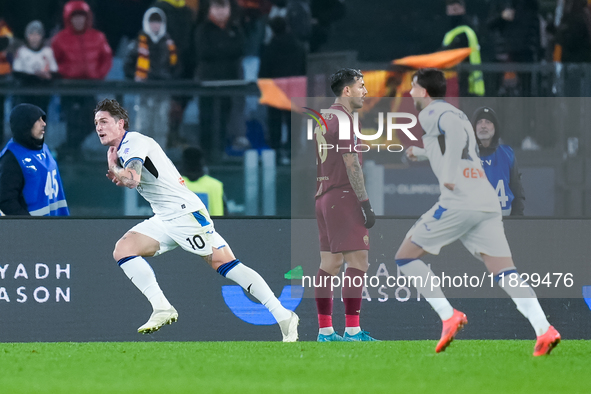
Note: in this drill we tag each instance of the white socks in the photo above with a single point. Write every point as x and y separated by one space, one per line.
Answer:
352 330
435 296
252 282
526 301
142 276
523 295
326 330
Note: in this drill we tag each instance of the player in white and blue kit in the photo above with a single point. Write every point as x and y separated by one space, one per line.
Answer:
468 209
180 219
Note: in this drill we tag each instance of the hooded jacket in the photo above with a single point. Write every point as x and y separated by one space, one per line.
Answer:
30 182
500 166
158 51
81 55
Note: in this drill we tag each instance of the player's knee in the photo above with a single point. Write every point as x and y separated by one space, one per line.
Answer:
332 266
121 251
117 255
399 255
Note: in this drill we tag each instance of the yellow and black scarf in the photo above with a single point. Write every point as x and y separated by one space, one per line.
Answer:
143 59
5 31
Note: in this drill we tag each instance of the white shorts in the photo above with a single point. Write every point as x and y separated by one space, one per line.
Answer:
480 232
194 232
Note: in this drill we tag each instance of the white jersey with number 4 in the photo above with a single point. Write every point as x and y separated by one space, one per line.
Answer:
450 146
160 183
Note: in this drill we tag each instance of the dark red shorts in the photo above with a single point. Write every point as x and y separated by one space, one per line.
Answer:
340 222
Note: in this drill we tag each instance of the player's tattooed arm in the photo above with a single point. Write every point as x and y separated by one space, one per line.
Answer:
128 176
355 175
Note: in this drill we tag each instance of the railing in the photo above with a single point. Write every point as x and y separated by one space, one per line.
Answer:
567 149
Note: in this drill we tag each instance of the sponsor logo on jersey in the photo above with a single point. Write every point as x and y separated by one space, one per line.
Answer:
473 173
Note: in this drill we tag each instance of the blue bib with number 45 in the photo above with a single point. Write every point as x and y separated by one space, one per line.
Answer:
43 191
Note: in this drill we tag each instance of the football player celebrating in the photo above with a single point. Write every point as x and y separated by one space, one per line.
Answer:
180 219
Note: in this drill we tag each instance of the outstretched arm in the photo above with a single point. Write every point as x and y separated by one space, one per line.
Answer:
128 176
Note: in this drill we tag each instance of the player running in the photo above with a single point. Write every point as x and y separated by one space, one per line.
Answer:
343 211
468 210
180 218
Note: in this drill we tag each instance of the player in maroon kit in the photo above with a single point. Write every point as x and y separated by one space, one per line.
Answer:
343 211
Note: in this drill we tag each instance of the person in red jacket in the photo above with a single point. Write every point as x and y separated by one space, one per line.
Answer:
81 52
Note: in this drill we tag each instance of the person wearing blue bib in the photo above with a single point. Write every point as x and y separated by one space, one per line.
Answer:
30 182
498 161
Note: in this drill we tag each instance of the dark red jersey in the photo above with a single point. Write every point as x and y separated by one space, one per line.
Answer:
330 167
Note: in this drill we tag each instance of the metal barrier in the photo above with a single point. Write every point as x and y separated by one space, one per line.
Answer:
566 147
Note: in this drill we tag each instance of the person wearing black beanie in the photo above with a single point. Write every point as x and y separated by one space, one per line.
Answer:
498 161
30 183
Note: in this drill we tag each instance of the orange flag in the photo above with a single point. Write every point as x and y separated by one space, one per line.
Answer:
442 59
278 92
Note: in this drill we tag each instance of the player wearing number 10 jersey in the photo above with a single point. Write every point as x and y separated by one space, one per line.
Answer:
468 209
180 219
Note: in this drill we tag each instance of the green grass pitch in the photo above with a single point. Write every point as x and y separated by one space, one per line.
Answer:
467 366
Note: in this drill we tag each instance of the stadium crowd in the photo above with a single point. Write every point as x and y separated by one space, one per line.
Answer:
208 40
193 40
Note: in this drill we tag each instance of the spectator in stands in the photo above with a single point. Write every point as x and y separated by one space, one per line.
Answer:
254 13
574 32
515 25
30 182
18 13
219 41
498 161
463 37
180 26
209 190
34 65
5 67
82 53
324 14
298 16
153 57
455 10
284 56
